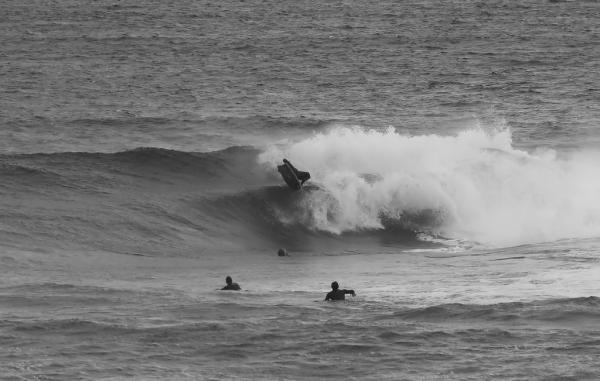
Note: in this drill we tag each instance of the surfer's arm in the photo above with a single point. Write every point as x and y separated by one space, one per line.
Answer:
351 292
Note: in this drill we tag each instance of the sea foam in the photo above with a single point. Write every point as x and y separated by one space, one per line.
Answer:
473 185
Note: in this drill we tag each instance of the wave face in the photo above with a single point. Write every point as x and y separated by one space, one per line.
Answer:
152 200
143 200
473 186
368 188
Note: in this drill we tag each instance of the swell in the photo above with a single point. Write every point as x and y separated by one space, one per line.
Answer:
152 201
128 202
569 313
251 123
76 326
381 186
550 312
235 165
183 131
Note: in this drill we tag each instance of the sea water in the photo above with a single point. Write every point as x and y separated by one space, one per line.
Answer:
453 149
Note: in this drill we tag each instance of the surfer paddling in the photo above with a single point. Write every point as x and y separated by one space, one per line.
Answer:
231 285
337 294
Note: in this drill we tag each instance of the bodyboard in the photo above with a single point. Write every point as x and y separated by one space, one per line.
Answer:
289 176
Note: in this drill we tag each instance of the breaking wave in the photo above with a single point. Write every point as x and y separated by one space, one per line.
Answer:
474 185
367 188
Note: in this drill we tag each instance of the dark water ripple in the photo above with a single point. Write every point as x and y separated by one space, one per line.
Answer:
127 71
452 347
83 86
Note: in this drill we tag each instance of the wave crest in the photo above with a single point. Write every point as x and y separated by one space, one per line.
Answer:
474 185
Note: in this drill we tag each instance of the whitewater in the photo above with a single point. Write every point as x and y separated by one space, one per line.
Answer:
453 150
474 186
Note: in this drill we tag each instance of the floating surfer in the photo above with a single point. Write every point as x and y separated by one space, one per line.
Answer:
293 177
337 294
231 285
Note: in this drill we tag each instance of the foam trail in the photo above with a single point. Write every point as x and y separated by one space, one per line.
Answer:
473 185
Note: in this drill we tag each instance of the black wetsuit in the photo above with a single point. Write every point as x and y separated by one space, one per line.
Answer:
232 286
338 294
301 175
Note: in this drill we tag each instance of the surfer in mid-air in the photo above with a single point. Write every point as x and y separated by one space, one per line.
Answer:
293 177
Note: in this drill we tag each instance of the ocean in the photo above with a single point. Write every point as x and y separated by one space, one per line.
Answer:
453 148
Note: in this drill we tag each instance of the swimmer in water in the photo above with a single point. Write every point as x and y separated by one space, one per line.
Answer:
337 294
231 285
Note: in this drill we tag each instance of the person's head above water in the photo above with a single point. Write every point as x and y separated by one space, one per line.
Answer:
231 285
338 294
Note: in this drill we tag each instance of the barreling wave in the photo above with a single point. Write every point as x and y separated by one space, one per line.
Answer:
145 198
368 188
293 219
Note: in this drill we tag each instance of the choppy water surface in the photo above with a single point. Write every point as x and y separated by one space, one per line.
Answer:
453 149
